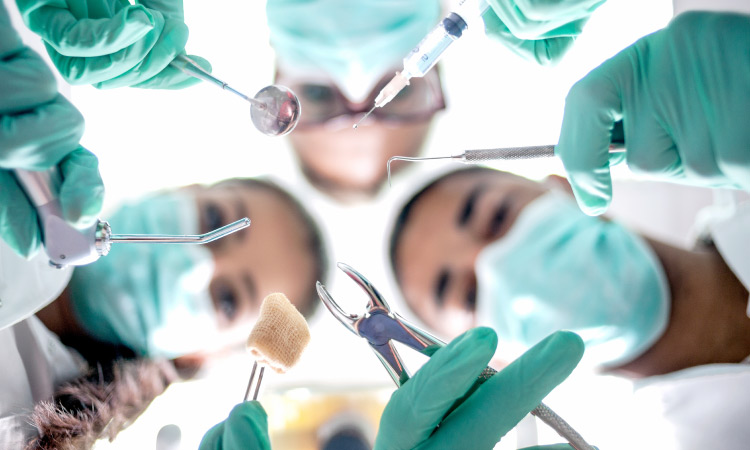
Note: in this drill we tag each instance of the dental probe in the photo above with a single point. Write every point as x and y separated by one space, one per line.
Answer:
497 154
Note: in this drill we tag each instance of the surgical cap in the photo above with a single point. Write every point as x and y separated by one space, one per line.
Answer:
354 42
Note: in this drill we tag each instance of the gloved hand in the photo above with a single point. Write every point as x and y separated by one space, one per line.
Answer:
484 415
246 428
111 43
39 129
682 94
539 30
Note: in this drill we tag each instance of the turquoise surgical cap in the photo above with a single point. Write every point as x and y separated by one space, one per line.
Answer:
354 42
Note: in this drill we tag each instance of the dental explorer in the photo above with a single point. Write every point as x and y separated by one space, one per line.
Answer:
430 49
616 146
67 245
274 110
495 154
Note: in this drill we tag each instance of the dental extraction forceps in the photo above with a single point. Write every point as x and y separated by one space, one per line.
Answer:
380 326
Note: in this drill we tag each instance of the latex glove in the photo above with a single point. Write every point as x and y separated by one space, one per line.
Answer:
246 428
415 410
682 94
39 129
111 43
539 30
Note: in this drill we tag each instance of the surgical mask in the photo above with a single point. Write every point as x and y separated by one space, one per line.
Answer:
353 42
152 298
558 268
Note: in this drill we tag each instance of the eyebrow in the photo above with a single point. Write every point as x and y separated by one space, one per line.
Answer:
242 211
466 211
440 286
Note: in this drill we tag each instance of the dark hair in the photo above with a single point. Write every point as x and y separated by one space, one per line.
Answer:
403 216
99 404
315 241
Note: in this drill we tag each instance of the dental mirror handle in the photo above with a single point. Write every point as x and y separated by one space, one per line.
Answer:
63 243
191 68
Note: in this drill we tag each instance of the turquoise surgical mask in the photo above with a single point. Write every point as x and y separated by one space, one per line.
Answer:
558 268
354 43
152 298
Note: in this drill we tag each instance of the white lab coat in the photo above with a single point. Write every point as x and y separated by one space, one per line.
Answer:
706 406
33 359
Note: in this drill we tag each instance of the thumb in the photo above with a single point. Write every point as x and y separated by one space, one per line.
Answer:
592 107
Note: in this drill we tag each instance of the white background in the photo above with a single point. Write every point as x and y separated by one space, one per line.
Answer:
147 140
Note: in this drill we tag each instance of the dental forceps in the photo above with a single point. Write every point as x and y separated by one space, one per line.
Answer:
380 326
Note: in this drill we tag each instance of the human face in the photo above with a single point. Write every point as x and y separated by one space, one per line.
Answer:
447 228
355 161
345 162
272 255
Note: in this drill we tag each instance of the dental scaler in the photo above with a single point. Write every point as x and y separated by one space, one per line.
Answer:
67 245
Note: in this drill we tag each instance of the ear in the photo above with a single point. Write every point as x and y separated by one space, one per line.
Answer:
559 183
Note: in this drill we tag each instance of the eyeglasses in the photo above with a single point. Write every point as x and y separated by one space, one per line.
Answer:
322 102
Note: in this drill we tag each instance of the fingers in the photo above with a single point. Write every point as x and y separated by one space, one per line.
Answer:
247 428
27 82
40 138
418 406
503 400
170 43
83 37
173 78
545 52
170 8
213 439
592 107
82 190
18 220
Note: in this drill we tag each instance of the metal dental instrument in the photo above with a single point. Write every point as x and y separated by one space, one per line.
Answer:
430 49
495 154
274 110
69 246
380 325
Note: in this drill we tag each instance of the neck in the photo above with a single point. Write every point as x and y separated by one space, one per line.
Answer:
708 322
58 317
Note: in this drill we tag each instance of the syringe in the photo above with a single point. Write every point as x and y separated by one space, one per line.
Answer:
430 49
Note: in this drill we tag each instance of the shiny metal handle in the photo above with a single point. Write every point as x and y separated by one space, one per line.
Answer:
63 243
191 68
40 187
509 153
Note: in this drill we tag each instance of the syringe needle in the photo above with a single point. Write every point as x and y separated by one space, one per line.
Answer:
356 125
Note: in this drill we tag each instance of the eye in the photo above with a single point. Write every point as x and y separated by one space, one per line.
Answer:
214 218
471 298
317 93
225 301
497 220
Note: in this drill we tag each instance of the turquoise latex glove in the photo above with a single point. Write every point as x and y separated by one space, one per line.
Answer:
39 129
246 428
539 30
411 418
111 43
683 94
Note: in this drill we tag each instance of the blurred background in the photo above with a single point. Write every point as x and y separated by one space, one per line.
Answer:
148 140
